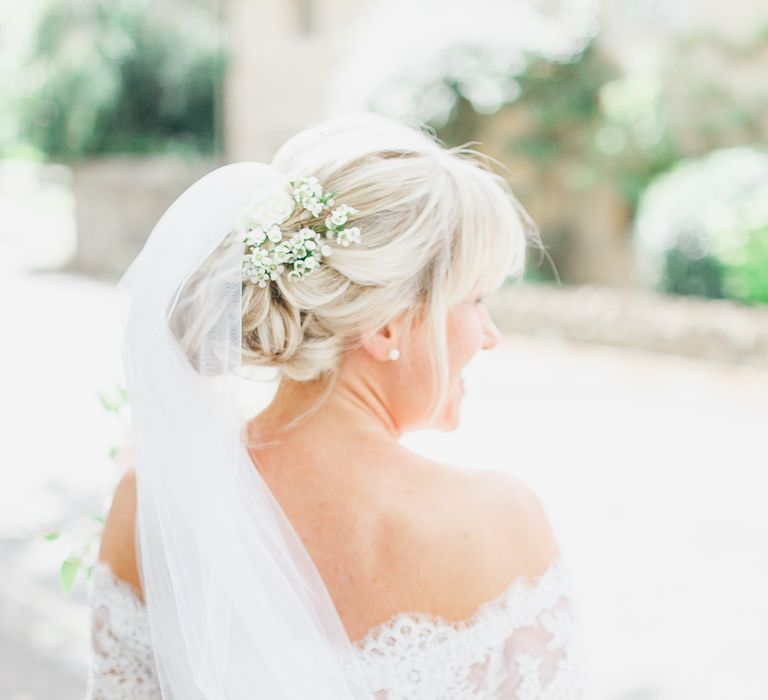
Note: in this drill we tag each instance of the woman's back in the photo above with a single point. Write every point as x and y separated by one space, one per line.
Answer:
419 536
391 531
427 565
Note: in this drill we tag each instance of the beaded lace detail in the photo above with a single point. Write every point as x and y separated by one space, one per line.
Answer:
522 645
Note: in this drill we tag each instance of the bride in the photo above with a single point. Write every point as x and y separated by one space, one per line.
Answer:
303 552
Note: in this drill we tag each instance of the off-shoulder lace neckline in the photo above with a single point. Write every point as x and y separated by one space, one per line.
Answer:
519 586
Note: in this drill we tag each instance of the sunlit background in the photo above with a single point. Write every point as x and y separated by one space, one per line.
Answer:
631 388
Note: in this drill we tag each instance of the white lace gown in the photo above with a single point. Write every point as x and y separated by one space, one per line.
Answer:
522 645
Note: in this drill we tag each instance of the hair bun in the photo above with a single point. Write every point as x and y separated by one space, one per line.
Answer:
279 333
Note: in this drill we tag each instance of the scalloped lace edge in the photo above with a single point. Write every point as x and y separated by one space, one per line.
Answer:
522 588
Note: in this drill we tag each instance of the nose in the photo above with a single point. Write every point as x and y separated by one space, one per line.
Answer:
492 333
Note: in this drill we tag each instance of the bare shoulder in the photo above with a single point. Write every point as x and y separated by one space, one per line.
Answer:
515 518
493 529
118 542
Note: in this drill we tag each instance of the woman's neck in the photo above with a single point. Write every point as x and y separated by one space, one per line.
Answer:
345 407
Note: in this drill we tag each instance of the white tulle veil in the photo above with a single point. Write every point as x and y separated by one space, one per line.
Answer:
236 607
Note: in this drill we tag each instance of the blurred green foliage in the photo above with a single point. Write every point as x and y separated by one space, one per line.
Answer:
610 127
745 272
634 139
697 276
600 128
702 227
113 76
561 99
575 125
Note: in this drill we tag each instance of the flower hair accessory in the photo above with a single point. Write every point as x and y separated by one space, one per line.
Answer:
273 251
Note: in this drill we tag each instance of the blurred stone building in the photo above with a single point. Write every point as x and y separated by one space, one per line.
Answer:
283 54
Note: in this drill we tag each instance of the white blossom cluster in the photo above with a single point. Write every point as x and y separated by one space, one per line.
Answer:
336 226
272 251
308 192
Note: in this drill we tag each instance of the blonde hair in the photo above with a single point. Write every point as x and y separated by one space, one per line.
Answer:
435 223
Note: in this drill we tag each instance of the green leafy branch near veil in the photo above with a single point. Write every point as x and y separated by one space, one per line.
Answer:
85 533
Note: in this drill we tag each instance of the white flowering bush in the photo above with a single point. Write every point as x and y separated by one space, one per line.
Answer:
702 228
273 251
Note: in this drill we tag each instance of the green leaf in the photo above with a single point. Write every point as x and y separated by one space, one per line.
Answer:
109 401
51 536
68 573
113 399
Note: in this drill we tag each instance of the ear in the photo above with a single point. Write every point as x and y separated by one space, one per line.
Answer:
379 343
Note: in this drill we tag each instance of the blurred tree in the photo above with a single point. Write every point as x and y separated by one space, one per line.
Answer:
122 76
583 142
533 88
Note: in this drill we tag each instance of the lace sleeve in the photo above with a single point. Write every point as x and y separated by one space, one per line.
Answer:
540 658
520 646
122 664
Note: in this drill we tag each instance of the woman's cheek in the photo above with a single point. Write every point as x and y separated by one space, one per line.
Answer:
466 335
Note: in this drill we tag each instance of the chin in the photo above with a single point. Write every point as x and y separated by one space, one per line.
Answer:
450 422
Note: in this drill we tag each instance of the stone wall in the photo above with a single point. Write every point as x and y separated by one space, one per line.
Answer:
118 200
703 328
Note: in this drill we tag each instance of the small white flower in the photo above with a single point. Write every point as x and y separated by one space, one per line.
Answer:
259 255
274 234
308 192
354 234
280 254
274 271
325 249
255 237
306 187
348 235
340 216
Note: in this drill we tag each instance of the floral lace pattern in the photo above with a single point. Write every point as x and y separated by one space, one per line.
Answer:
521 645
122 662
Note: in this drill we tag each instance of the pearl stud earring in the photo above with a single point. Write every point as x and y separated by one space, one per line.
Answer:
393 354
